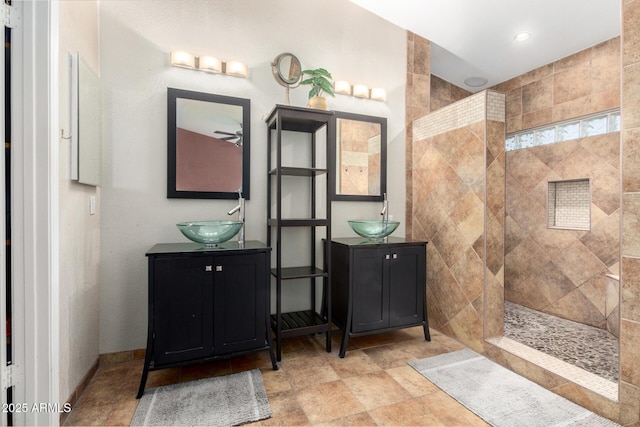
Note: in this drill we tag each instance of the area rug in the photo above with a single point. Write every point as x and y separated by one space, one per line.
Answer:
499 396
219 401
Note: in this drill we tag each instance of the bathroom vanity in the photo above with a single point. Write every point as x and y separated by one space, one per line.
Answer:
378 286
206 303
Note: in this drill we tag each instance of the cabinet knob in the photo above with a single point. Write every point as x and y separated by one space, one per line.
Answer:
386 256
208 268
218 268
395 256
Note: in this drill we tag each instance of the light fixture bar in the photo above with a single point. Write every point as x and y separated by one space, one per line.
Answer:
209 64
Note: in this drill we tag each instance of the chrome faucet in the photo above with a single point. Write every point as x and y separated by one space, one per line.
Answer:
240 210
385 209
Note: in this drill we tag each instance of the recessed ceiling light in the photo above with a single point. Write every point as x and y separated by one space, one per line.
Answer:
520 37
475 81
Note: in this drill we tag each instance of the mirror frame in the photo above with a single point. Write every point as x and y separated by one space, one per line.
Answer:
333 158
172 96
277 72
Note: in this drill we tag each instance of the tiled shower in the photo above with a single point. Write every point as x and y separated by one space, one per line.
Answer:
559 265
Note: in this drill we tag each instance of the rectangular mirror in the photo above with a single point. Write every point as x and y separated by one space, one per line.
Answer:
208 141
86 146
359 158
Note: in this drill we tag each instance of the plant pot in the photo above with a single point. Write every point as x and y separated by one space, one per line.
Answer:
318 102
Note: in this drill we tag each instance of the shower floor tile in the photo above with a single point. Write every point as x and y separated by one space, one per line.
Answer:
592 349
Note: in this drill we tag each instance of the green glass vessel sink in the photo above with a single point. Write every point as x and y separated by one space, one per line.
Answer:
375 229
210 232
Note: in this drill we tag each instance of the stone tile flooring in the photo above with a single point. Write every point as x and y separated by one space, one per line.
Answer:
592 349
372 385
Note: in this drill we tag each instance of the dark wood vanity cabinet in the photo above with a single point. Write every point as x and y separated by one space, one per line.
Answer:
206 303
378 287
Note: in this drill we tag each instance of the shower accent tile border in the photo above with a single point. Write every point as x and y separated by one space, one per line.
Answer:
590 381
486 105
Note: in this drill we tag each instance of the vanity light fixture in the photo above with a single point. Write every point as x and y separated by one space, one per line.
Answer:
361 91
378 94
180 58
207 64
236 68
343 87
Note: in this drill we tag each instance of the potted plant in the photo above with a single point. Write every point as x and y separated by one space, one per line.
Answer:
321 82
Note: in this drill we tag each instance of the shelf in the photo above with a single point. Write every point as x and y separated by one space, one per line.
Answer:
300 323
290 273
291 171
298 119
298 222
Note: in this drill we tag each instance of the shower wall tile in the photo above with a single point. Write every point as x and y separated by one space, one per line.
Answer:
444 93
631 225
537 95
468 272
577 305
629 395
468 217
630 297
494 325
630 285
631 96
572 82
631 48
575 261
603 240
536 118
631 159
417 104
455 149
629 343
580 84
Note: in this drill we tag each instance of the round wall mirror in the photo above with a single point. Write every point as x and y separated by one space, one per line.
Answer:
287 71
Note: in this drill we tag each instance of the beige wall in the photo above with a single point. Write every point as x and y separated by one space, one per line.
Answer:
79 231
562 272
135 40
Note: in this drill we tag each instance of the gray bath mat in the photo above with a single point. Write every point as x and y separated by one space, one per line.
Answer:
219 401
501 397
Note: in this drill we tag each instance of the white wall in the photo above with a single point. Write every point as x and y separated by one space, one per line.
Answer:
135 40
79 251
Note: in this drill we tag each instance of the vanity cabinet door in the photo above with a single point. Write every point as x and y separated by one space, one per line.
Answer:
369 272
406 285
240 302
182 309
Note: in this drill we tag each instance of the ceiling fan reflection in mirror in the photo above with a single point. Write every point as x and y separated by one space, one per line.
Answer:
233 137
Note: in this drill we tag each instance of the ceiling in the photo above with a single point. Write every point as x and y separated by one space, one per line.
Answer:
476 38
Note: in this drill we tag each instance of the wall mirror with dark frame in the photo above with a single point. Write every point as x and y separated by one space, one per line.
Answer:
208 145
359 158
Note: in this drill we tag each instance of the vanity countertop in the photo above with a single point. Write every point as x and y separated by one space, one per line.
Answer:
361 241
232 245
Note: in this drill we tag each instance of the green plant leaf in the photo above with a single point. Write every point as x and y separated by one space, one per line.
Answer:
320 81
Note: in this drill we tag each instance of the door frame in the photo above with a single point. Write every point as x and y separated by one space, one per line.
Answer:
35 219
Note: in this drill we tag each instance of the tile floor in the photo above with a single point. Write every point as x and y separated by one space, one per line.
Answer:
592 349
372 385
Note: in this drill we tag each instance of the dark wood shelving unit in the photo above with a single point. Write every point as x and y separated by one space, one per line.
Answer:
310 121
